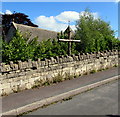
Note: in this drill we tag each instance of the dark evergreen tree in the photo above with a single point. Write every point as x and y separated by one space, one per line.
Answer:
19 18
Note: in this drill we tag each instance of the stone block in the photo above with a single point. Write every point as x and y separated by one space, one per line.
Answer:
12 75
60 60
28 86
14 84
34 64
21 73
11 65
83 56
70 59
5 85
19 64
31 80
3 93
57 59
29 63
76 58
39 62
46 62
25 65
4 76
22 86
14 88
15 67
73 56
8 90
42 69
52 60
87 55
3 67
7 68
42 63
116 52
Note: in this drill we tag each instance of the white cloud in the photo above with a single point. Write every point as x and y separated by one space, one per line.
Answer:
8 12
68 16
96 16
1 13
60 22
117 0
50 23
44 21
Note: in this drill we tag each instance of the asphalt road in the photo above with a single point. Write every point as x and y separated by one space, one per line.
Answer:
99 101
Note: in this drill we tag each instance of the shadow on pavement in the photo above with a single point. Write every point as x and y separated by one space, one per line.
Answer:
113 115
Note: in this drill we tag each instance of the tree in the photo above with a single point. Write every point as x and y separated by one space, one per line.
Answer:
19 18
49 48
94 33
18 49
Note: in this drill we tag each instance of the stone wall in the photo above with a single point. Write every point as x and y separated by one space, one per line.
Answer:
24 75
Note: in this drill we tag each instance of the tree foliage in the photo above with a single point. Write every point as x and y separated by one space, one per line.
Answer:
19 49
94 33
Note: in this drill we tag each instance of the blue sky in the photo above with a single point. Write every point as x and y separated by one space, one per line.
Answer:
55 15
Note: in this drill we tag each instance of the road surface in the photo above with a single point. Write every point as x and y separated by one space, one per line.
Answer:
99 101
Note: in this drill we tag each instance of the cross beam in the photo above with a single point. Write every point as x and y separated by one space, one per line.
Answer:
69 40
69 43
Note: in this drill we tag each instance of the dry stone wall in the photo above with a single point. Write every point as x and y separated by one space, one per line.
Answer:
23 75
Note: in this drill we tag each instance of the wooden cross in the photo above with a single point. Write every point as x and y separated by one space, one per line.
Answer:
69 40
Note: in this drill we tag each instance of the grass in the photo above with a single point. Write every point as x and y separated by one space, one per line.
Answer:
85 73
4 94
93 71
37 84
115 65
67 99
62 77
17 90
68 76
56 79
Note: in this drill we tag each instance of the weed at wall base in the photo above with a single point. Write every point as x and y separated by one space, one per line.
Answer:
93 71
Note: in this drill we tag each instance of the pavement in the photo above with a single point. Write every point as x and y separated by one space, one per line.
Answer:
27 100
98 101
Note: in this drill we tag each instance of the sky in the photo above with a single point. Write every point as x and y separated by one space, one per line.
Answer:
60 0
55 15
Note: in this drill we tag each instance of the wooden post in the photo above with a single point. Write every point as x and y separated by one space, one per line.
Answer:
69 43
69 40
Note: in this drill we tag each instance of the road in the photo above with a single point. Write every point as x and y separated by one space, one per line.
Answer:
99 101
